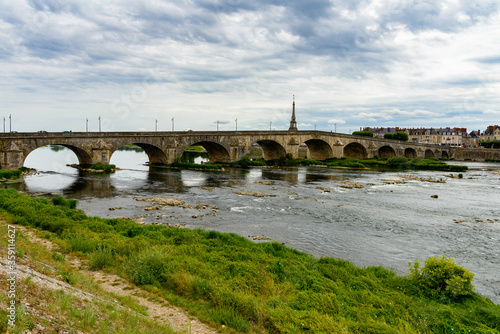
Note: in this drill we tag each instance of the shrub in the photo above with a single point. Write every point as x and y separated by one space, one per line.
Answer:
454 168
101 258
10 174
59 200
396 162
363 133
441 278
389 135
490 144
399 135
147 267
81 243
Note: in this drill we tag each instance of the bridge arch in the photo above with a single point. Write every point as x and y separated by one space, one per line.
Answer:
386 152
429 154
271 150
154 153
318 149
445 155
410 153
355 151
216 152
84 158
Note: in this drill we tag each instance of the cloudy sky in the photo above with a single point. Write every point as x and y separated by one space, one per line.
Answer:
350 64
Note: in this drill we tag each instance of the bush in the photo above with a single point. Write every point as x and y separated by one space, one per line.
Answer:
441 278
101 258
397 162
454 168
147 267
399 135
363 133
59 200
10 174
490 144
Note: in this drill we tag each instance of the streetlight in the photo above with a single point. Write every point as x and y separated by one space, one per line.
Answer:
217 125
99 123
172 124
10 122
4 124
236 120
156 125
270 124
87 125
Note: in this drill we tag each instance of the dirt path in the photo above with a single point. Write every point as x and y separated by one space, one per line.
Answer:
158 308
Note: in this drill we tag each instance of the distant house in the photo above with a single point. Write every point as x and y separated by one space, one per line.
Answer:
492 133
472 139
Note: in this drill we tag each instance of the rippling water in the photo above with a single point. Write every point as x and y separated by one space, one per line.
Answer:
383 223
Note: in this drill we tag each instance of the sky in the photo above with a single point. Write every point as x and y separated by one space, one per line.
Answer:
204 65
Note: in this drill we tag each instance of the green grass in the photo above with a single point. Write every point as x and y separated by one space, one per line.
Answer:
196 166
12 174
228 280
377 163
104 168
63 311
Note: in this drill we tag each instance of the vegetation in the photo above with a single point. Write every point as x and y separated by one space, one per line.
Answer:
363 133
196 148
398 135
179 164
12 174
227 280
99 168
490 144
59 200
442 279
63 311
391 163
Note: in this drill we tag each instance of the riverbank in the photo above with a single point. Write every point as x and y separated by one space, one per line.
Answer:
55 293
241 286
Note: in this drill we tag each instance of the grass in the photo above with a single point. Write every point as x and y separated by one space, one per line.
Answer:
12 174
101 168
227 280
377 163
63 311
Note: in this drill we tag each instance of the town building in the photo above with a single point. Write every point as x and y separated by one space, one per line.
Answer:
492 133
439 136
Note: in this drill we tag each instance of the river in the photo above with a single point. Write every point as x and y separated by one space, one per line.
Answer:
390 221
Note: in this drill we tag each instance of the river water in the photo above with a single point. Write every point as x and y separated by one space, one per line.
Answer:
309 208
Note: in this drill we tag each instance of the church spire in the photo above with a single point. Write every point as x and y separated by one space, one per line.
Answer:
293 122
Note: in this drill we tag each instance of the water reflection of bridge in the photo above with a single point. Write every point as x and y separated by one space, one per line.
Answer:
225 146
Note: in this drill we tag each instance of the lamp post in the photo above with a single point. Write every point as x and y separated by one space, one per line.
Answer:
4 124
87 125
99 123
10 122
217 125
236 120
156 125
270 124
172 124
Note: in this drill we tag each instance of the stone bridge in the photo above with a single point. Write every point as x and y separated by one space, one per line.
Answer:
224 146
